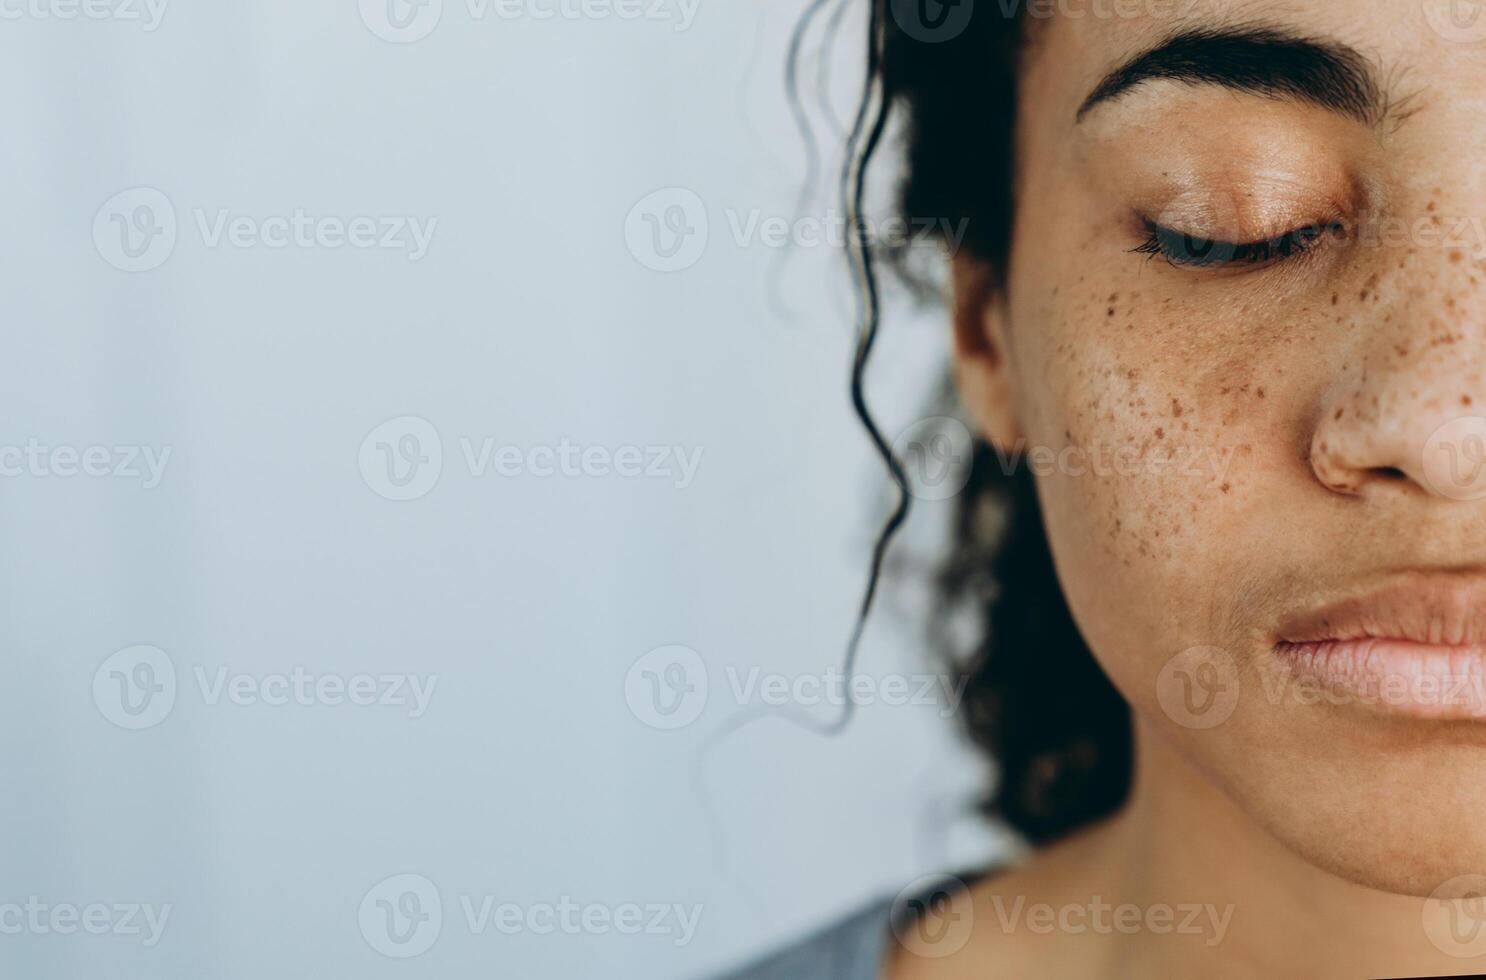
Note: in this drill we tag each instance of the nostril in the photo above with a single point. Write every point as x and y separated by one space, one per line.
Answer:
1391 473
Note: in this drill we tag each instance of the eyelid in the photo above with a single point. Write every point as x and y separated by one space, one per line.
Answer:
1256 221
1247 204
1186 250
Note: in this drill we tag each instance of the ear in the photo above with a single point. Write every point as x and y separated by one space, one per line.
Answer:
981 366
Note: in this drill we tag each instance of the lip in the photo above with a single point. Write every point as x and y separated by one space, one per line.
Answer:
1416 647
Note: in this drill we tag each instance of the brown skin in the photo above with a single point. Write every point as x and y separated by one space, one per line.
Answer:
1320 378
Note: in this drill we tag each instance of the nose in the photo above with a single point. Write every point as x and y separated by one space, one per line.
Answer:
1407 412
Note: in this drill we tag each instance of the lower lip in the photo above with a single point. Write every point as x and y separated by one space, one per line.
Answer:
1396 676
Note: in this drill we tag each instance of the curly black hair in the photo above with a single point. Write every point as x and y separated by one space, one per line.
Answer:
1035 699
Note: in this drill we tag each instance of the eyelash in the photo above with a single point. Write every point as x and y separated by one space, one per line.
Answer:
1181 249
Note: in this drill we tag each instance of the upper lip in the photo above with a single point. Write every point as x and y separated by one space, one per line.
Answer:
1435 609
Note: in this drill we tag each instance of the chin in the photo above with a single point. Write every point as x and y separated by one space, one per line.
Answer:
1390 804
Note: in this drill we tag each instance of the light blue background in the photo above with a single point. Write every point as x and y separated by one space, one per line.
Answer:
529 321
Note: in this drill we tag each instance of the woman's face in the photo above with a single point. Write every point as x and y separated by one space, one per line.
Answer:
1263 468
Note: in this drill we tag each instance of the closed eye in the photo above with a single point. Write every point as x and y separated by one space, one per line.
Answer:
1183 249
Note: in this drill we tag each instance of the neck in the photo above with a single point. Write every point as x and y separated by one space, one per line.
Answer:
1181 842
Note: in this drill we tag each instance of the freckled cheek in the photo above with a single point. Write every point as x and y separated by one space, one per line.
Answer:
1139 480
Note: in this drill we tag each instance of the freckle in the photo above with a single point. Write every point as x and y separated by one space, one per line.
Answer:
1431 206
1225 487
1110 311
1335 299
1339 412
1260 392
1176 408
1362 295
1465 399
1455 255
1160 433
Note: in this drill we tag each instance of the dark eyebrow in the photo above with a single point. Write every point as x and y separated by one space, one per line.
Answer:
1262 61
